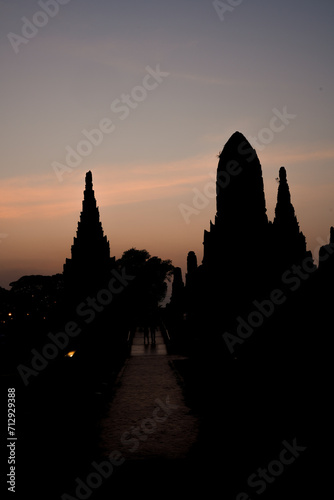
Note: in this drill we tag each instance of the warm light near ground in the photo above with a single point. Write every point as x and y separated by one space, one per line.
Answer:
70 354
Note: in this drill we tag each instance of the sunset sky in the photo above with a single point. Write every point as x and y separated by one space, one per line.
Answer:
215 73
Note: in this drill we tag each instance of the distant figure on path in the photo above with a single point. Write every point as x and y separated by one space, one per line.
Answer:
152 328
146 335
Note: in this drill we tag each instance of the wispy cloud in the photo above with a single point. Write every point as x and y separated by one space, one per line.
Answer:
297 154
41 197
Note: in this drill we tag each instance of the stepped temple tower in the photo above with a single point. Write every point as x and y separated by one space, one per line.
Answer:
90 262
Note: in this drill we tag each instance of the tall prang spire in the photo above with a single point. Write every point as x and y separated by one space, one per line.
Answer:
240 188
90 262
241 216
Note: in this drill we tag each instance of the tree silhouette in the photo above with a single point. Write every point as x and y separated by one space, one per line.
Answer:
149 287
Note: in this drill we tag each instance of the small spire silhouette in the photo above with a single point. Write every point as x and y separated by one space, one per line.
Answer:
285 212
290 241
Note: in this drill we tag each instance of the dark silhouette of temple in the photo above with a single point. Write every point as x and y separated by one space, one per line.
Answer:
244 253
272 386
257 323
91 263
242 239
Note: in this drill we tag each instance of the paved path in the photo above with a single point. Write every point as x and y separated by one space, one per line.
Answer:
148 418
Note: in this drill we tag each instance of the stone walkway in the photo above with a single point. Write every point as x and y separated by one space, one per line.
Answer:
148 418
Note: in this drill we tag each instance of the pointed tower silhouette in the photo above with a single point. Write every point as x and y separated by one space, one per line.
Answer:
289 241
90 264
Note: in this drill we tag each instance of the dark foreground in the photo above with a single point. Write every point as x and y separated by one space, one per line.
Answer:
171 431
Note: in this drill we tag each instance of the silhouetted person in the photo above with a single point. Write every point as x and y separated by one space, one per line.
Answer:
152 329
146 335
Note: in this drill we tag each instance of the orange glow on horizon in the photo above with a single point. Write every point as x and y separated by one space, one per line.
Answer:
139 207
